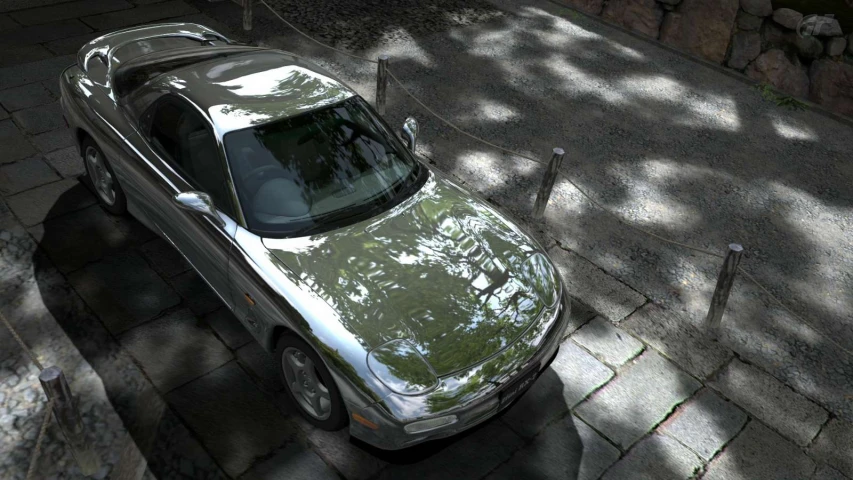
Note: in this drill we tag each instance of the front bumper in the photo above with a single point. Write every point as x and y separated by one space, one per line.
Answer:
472 396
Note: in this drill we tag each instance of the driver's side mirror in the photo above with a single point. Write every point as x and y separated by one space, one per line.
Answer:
198 202
410 133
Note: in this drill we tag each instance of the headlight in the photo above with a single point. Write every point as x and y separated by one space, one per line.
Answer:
429 424
543 278
401 368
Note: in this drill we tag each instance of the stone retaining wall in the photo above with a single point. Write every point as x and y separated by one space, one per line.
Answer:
748 36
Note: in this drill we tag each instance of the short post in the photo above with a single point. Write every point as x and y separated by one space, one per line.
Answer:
68 417
247 15
381 83
723 288
548 183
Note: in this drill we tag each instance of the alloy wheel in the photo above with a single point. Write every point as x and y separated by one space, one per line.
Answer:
305 384
101 177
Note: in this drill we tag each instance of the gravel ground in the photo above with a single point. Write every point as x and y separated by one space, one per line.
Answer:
365 23
22 400
679 149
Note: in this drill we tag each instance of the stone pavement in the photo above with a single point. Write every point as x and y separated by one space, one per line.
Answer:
166 373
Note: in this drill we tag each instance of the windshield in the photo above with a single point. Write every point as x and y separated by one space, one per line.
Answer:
320 170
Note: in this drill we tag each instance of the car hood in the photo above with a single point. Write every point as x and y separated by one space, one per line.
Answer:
443 270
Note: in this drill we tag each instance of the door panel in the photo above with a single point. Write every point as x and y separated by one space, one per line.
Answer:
179 142
265 308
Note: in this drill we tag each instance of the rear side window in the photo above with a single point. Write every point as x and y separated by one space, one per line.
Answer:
96 69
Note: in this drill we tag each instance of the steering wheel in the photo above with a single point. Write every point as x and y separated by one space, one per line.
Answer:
253 180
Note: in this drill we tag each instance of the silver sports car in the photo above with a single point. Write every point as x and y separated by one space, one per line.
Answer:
394 301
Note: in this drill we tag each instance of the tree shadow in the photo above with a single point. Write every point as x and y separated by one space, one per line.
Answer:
721 166
673 146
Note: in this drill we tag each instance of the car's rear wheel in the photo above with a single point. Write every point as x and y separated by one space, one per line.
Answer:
103 179
310 385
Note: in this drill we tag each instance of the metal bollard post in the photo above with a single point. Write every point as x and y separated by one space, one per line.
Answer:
247 15
723 288
68 417
548 183
381 83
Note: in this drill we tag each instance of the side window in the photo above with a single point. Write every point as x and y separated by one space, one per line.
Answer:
181 135
97 70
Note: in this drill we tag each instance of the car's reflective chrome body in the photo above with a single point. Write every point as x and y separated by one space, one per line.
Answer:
428 309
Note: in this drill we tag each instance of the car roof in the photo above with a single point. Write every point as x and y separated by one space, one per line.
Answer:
253 87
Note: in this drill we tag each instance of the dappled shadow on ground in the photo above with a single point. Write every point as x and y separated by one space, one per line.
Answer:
678 148
684 153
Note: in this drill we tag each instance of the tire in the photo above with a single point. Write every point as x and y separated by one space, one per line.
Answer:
289 348
102 178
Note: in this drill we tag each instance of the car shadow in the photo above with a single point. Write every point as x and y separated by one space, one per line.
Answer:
154 429
537 437
556 451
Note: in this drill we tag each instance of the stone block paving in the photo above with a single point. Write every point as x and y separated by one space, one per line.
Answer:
15 145
175 349
167 261
825 472
759 453
82 237
771 402
656 457
168 373
123 291
573 375
24 175
261 365
705 423
610 298
613 346
675 337
640 397
335 448
568 448
25 96
66 162
297 462
237 423
834 445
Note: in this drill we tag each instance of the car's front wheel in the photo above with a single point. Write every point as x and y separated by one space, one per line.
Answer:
309 384
103 179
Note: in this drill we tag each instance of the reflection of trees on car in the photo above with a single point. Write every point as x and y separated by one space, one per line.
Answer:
463 292
294 90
